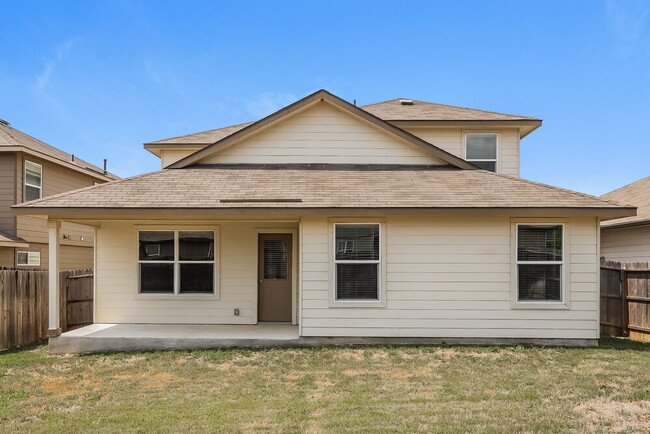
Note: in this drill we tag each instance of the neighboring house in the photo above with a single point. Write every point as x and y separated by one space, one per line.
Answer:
29 170
348 222
628 239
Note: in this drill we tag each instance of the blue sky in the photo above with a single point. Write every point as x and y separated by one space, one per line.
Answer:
99 78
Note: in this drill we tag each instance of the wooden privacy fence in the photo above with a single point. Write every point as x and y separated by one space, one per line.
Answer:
24 304
625 299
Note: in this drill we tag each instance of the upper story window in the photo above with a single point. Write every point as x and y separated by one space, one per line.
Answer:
357 262
540 262
177 262
481 150
33 181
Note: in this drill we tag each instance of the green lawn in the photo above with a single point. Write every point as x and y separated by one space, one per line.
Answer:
401 389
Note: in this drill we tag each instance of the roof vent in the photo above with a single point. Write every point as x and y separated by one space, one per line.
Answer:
3 122
406 101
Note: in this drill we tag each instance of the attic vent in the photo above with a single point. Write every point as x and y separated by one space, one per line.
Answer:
406 101
3 122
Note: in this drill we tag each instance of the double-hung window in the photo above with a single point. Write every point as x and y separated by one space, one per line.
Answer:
177 262
540 262
481 150
357 261
33 181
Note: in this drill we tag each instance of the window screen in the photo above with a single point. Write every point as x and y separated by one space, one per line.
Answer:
540 256
481 150
357 261
33 181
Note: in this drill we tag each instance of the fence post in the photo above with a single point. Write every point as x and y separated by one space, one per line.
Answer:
625 312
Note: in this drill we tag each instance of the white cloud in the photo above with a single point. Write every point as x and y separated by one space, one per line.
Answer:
43 79
268 102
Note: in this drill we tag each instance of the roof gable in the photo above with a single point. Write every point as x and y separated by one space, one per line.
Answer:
304 104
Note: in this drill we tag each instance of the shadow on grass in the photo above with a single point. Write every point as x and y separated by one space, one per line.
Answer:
27 347
623 344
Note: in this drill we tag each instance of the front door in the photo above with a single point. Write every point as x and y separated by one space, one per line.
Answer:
274 278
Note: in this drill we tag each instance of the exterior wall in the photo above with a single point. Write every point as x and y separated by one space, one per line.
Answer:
7 192
170 156
450 277
7 257
70 257
452 140
56 179
323 134
626 244
117 298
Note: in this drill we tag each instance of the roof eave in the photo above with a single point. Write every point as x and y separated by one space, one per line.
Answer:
67 164
614 225
105 213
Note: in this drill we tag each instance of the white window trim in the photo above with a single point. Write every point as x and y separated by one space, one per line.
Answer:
498 145
564 302
381 277
26 184
36 254
176 294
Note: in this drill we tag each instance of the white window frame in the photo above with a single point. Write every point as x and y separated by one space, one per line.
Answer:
495 160
30 255
26 184
380 301
177 263
564 302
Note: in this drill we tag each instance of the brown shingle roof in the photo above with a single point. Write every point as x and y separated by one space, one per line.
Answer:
390 110
204 137
324 186
637 194
7 240
10 137
393 110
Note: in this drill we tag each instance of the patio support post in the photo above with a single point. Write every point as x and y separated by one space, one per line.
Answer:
54 322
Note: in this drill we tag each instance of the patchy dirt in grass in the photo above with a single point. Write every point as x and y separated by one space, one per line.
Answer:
63 386
617 416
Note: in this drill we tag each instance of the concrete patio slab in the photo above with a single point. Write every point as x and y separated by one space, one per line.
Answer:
97 338
100 338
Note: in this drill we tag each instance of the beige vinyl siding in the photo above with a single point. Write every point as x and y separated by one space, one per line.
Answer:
323 134
170 156
56 179
7 192
70 257
626 244
117 280
450 277
452 140
7 257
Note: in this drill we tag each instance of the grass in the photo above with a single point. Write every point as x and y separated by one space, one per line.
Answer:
369 389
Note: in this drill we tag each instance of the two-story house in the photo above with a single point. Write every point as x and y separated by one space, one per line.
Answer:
29 170
402 221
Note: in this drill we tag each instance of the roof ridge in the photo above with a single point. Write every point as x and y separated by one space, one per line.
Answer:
66 193
454 106
552 187
201 132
